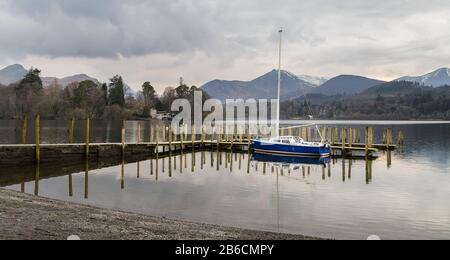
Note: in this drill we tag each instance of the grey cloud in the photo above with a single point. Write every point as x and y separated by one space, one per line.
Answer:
230 38
103 28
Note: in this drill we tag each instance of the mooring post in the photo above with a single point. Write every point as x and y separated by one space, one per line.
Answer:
123 139
366 142
87 135
350 137
170 140
182 141
343 135
24 129
152 130
203 137
38 138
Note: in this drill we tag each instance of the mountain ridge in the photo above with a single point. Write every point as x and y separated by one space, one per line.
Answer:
14 73
262 87
437 78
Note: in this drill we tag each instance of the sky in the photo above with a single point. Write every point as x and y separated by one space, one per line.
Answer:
201 40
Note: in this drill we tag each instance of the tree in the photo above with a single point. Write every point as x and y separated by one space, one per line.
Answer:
28 92
117 91
149 95
105 93
82 92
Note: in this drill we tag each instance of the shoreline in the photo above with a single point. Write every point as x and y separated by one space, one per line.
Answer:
26 217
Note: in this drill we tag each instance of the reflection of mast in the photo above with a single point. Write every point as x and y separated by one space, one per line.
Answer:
278 203
86 180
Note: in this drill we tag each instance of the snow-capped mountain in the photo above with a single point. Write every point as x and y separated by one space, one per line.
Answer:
438 78
313 79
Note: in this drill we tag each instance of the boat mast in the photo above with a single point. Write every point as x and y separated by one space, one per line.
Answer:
277 128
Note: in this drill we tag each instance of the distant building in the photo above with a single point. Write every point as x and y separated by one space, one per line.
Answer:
162 115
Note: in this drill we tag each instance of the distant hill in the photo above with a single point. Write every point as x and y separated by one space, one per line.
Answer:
346 84
264 87
12 74
437 78
396 88
47 81
15 73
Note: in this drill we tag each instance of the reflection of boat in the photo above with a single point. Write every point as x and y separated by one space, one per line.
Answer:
290 159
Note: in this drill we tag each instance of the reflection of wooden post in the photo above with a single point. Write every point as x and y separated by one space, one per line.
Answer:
170 150
38 138
122 175
24 129
86 180
36 179
70 186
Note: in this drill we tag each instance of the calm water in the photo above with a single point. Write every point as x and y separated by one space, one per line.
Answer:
408 199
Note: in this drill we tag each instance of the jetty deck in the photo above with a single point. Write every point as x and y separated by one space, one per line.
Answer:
346 142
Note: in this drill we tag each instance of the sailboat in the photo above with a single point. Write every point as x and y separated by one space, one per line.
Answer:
289 145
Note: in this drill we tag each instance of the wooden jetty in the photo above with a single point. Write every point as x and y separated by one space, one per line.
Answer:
346 142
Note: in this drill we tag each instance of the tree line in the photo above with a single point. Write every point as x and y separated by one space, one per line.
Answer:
108 101
388 101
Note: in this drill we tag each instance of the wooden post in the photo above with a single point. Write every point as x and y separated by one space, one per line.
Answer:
350 137
182 141
123 140
87 135
232 141
170 139
152 131
24 129
367 141
343 135
38 138
203 137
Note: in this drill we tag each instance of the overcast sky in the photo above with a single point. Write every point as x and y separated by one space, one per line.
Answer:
201 40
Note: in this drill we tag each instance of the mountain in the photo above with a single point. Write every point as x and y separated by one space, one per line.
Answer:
313 79
47 81
12 74
346 84
264 87
437 78
16 72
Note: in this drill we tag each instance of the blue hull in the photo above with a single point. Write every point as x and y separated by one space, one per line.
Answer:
261 147
291 160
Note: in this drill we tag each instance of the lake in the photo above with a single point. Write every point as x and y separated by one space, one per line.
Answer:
403 198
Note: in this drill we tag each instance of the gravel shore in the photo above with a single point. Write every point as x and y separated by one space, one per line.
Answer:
33 218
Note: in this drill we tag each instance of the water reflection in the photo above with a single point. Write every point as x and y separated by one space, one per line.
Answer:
307 195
